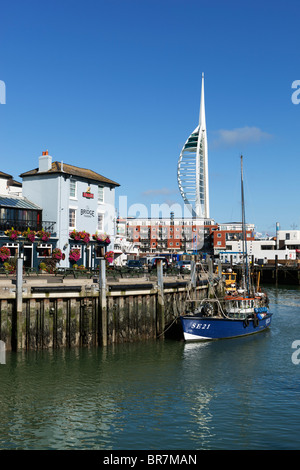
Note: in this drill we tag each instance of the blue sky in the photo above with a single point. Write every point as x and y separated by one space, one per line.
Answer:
114 86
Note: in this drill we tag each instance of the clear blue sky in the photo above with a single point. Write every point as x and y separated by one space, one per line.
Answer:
114 86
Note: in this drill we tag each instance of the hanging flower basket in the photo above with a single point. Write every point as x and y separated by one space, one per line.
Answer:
4 253
74 254
12 233
29 235
109 256
80 236
9 268
57 254
43 235
101 237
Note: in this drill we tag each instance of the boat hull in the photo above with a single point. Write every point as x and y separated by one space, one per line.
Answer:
205 328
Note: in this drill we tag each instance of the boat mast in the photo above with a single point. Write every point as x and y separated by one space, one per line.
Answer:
245 277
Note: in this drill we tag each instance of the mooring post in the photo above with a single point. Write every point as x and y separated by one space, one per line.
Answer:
102 303
221 284
19 305
210 276
160 299
193 274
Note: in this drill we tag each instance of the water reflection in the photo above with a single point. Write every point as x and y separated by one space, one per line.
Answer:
158 395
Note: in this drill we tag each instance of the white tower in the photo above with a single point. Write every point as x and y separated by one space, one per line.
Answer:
192 171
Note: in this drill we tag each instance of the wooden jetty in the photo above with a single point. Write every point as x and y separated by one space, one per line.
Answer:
271 273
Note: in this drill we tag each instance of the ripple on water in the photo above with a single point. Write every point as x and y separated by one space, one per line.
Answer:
233 394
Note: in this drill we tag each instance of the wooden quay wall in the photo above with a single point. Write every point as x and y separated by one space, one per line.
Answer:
46 312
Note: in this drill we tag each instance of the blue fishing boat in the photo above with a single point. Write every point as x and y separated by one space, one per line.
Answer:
240 312
226 318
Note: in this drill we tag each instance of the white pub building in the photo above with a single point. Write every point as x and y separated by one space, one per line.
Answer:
75 199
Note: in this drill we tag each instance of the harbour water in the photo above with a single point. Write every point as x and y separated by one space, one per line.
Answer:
230 394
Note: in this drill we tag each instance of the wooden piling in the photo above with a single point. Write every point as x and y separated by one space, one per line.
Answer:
73 316
102 304
160 300
18 341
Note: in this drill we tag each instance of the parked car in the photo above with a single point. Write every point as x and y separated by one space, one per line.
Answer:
154 262
184 264
134 264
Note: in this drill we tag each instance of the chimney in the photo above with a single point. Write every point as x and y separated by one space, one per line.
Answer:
45 162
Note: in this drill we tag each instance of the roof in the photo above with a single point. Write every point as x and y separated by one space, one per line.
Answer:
10 180
59 167
18 203
5 175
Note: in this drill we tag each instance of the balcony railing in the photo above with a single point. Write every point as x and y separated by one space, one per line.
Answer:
21 225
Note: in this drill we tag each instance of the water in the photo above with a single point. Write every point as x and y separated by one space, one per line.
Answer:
231 394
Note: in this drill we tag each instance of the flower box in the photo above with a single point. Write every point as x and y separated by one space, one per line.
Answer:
29 235
12 233
43 235
80 236
101 237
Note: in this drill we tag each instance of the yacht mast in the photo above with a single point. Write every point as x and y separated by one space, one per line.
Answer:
245 277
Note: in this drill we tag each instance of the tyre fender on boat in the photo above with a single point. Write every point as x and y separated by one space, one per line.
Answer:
246 322
255 321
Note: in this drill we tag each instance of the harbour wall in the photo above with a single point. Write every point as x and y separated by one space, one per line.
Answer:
73 313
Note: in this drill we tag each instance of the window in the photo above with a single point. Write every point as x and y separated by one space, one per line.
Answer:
44 250
73 188
219 243
100 193
72 218
100 222
287 236
13 248
99 251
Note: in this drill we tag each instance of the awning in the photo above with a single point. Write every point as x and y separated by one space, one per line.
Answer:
18 203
